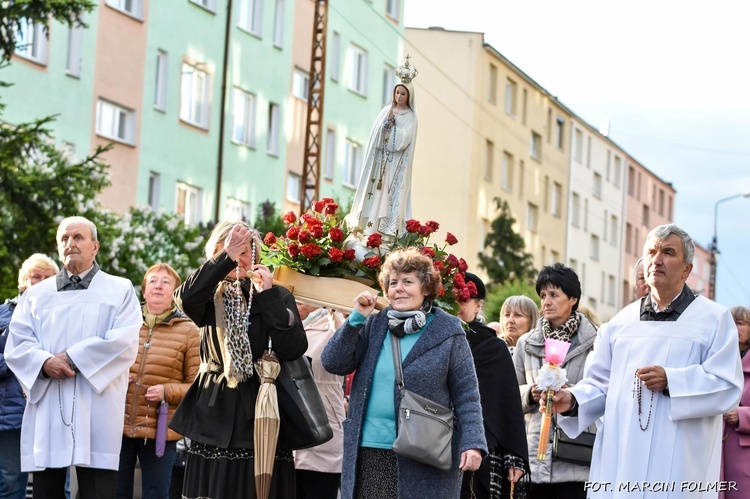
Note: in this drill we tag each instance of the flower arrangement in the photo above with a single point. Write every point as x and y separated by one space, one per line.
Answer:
551 378
316 244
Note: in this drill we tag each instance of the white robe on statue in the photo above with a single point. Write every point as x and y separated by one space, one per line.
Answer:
680 452
98 327
386 210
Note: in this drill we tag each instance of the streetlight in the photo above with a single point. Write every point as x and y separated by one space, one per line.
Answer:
714 248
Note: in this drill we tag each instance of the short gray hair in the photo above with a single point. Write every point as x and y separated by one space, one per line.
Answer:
638 265
81 220
664 231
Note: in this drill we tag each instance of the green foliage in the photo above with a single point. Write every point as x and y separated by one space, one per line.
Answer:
508 259
497 295
269 219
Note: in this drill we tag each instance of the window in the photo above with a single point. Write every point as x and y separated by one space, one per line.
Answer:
524 101
560 133
237 210
160 89
492 90
594 250
274 121
579 146
661 202
278 24
189 200
393 9
585 215
631 181
209 5
556 200
74 60
511 89
597 185
358 70
330 154
251 16
133 8
115 122
613 230
521 171
609 166
194 96
669 208
243 118
293 188
583 277
638 186
628 238
154 185
575 210
645 215
602 296
489 160
352 163
389 82
335 56
588 152
532 216
536 146
301 84
605 221
618 171
506 178
549 125
31 42
611 294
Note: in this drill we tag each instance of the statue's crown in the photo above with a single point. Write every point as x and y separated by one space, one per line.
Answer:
406 73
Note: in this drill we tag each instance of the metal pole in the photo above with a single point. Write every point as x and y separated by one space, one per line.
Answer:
714 247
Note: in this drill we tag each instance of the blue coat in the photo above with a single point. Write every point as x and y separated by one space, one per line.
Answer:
12 403
440 367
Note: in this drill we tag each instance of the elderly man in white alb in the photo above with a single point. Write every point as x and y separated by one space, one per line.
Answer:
72 341
663 372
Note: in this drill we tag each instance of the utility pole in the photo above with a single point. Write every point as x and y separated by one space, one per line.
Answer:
715 248
310 184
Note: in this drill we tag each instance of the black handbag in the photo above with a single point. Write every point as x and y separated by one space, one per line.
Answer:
303 416
572 450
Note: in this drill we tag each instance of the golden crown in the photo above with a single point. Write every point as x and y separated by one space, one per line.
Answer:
407 72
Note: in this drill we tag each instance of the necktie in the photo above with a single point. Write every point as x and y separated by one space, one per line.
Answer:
76 280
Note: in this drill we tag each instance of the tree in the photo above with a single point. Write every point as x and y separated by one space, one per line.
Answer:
497 295
269 220
508 259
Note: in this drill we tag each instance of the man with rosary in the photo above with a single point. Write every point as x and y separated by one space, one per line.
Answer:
663 372
72 341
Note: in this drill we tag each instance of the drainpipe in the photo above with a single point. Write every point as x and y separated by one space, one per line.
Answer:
222 112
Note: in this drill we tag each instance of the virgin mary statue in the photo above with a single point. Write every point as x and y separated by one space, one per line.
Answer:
382 202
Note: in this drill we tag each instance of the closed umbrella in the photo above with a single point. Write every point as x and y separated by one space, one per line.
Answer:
267 421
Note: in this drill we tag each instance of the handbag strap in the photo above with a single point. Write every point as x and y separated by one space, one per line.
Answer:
396 348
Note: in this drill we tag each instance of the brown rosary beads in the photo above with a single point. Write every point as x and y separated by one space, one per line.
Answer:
638 391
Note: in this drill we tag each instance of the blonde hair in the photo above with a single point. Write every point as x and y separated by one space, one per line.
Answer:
220 234
740 313
35 261
522 304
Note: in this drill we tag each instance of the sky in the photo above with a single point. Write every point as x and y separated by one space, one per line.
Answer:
671 77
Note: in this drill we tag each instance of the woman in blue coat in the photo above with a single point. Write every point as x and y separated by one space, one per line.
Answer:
437 364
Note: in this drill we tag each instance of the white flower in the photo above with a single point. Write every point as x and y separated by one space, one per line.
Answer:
551 376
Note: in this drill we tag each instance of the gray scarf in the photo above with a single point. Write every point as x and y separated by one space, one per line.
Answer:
410 322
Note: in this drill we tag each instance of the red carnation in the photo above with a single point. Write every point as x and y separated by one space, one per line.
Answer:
289 218
462 265
316 230
458 281
373 262
304 236
349 254
452 261
293 250
451 239
374 240
293 233
331 208
335 254
269 239
472 289
438 265
412 226
433 225
318 206
336 235
311 250
426 250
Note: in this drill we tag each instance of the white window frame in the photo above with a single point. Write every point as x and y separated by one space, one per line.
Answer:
300 84
278 24
193 199
243 117
115 122
236 209
532 217
393 9
330 157
251 17
536 146
274 127
357 61
511 96
294 188
31 42
335 56
579 145
389 82
209 5
74 58
506 176
597 186
154 190
194 92
352 163
594 248
161 80
132 8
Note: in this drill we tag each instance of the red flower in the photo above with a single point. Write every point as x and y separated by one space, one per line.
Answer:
452 261
316 230
433 225
311 250
451 239
349 254
440 266
293 232
412 226
335 254
463 294
458 281
336 235
426 250
318 206
293 250
289 218
374 240
304 236
441 292
311 220
425 230
328 201
462 265
331 208
373 262
269 239
472 289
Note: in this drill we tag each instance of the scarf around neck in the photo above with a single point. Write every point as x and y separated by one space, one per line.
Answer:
151 320
410 322
565 331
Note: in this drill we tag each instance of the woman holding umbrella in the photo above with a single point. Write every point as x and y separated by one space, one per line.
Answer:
237 316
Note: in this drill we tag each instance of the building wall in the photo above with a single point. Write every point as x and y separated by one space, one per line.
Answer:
700 276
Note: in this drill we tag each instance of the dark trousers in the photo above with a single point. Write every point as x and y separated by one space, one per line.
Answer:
93 483
317 484
562 490
156 472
